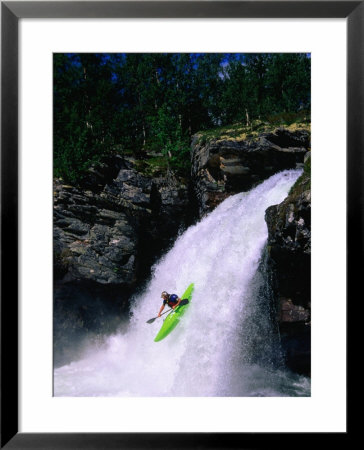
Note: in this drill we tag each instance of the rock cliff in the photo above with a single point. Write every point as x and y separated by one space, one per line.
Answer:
100 229
222 167
289 248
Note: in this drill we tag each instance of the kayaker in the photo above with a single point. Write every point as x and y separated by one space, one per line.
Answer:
171 300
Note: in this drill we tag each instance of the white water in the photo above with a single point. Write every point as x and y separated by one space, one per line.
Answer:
207 354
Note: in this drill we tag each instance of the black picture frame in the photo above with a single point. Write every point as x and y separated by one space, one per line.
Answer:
11 12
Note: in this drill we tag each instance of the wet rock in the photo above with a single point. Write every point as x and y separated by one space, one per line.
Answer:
296 343
289 247
288 312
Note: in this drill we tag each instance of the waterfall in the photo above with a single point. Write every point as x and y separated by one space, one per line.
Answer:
227 343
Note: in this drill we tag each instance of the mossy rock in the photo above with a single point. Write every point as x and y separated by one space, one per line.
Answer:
304 181
242 132
153 166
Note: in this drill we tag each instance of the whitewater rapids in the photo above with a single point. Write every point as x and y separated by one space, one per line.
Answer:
208 353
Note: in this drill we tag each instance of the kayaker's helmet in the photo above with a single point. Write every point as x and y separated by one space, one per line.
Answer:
164 294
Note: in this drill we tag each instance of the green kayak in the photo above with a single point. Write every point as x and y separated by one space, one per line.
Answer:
173 318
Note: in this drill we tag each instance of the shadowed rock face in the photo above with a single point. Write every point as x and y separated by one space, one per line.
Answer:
226 167
84 311
289 247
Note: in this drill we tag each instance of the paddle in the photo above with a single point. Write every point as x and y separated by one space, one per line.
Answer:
182 302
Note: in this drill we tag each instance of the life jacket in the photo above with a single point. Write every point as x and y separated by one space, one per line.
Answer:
172 300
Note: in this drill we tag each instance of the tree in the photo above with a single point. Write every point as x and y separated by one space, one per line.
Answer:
137 102
84 104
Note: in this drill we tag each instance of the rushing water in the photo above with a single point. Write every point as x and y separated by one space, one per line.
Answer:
226 344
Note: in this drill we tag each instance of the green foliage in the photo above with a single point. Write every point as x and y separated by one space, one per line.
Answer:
140 103
288 118
152 166
169 139
84 100
180 161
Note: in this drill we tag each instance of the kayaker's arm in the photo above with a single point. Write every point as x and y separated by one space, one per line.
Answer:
160 311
